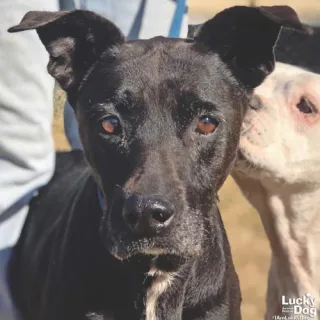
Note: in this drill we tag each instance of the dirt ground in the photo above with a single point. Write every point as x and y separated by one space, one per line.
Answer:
248 243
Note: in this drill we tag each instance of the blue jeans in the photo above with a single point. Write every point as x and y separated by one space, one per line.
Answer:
137 19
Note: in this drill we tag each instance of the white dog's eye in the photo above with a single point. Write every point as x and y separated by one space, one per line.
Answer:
305 106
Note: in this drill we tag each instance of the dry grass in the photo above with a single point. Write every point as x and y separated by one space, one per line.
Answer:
248 243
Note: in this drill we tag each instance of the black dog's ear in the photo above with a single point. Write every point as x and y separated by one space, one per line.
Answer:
74 40
192 30
244 38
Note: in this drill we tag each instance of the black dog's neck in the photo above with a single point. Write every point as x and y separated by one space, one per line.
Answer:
147 293
153 294
166 296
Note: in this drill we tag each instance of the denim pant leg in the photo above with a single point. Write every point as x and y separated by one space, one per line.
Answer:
70 122
66 4
156 16
71 127
26 145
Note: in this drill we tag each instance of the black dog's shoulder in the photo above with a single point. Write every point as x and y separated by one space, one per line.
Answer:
68 159
50 233
70 177
67 164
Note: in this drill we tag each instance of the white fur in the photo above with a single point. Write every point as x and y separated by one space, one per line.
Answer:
280 175
160 284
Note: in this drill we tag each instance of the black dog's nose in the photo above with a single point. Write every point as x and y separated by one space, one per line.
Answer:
146 215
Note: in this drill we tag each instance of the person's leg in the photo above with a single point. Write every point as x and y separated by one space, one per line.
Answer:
66 4
71 127
141 19
121 12
26 145
166 18
7 311
70 122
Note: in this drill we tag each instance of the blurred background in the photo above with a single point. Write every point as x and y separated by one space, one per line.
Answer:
249 245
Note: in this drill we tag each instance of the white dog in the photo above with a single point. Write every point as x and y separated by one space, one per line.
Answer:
279 173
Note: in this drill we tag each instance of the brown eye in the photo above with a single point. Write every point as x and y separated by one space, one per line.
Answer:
305 106
206 125
111 125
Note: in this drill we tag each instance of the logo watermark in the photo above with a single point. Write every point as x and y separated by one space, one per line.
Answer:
302 308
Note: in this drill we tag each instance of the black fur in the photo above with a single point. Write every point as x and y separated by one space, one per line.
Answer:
299 49
74 261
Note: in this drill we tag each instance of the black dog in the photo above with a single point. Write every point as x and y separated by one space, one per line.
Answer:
160 122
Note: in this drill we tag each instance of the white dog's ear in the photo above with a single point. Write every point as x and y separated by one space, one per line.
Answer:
74 41
244 38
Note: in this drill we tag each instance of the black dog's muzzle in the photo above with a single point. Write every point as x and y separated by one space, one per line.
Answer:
136 221
147 215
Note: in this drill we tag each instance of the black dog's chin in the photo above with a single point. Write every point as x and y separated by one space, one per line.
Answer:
153 258
153 265
169 262
138 249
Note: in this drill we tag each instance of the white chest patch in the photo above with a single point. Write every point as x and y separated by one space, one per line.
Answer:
160 283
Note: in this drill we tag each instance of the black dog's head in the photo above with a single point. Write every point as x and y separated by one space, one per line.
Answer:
160 118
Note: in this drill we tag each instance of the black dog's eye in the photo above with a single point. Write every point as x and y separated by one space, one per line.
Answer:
111 125
305 106
206 125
